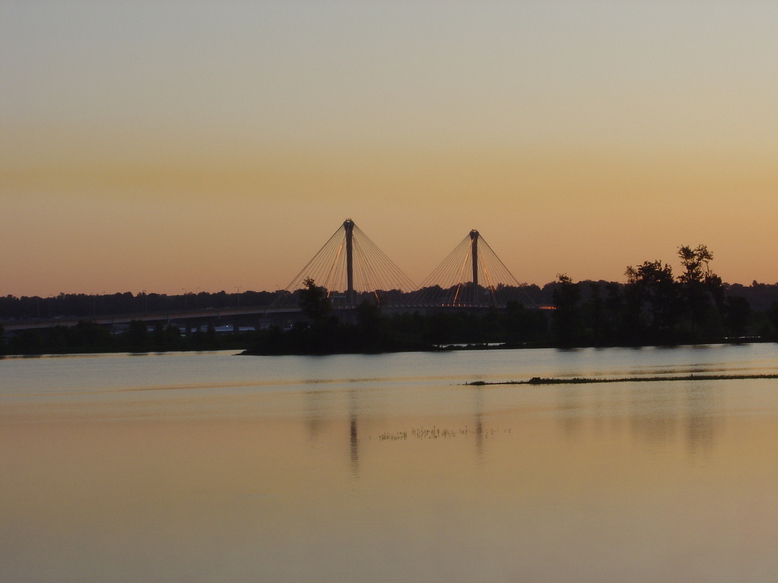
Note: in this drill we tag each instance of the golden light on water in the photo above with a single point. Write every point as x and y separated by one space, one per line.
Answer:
614 481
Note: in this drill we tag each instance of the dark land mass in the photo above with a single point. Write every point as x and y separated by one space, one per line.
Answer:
653 307
760 298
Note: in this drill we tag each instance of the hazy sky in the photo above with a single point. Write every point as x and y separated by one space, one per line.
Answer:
173 146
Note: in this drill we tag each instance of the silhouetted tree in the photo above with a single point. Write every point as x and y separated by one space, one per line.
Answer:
273 341
594 315
159 337
695 263
652 295
614 313
701 291
27 342
737 315
88 335
772 316
137 335
211 338
166 337
566 319
313 300
372 327
523 325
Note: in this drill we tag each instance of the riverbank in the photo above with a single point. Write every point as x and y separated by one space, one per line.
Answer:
629 379
372 332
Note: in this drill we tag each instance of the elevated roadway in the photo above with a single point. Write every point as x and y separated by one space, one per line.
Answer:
254 316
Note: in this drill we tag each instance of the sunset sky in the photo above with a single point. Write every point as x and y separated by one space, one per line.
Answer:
181 146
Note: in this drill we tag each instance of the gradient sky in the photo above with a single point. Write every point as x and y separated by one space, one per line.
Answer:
173 146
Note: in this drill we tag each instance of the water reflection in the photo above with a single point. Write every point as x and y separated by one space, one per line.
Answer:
322 419
319 406
314 412
570 411
657 414
447 482
353 437
702 424
653 416
479 429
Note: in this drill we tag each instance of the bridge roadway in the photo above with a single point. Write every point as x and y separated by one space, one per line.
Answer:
191 318
209 314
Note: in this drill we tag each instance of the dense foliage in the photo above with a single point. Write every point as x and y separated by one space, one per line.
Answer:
654 307
87 336
100 305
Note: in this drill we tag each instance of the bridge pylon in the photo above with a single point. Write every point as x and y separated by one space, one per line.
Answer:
352 268
348 227
472 276
474 254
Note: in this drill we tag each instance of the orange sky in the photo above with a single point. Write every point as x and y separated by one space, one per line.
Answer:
208 146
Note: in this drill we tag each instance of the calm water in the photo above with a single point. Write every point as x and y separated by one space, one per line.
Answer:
212 467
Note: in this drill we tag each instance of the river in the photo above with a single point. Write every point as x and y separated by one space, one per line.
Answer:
389 468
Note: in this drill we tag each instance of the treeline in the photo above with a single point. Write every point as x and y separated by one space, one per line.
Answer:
654 307
99 305
760 297
375 332
89 337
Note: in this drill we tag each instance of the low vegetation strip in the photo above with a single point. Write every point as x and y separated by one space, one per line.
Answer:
633 379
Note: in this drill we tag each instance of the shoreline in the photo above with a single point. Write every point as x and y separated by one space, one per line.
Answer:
634 379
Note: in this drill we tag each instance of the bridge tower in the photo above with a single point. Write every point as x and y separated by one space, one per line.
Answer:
472 276
348 227
474 254
352 268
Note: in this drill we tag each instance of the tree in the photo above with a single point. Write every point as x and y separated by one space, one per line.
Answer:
172 336
737 315
522 325
614 313
166 337
211 338
313 300
594 315
701 289
371 326
772 316
652 295
695 263
567 316
137 335
90 335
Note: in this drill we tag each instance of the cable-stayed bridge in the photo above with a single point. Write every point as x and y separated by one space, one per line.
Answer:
353 269
471 276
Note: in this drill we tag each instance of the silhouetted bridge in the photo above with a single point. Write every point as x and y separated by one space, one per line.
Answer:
236 318
352 269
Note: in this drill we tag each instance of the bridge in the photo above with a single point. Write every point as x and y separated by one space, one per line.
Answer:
352 269
187 319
